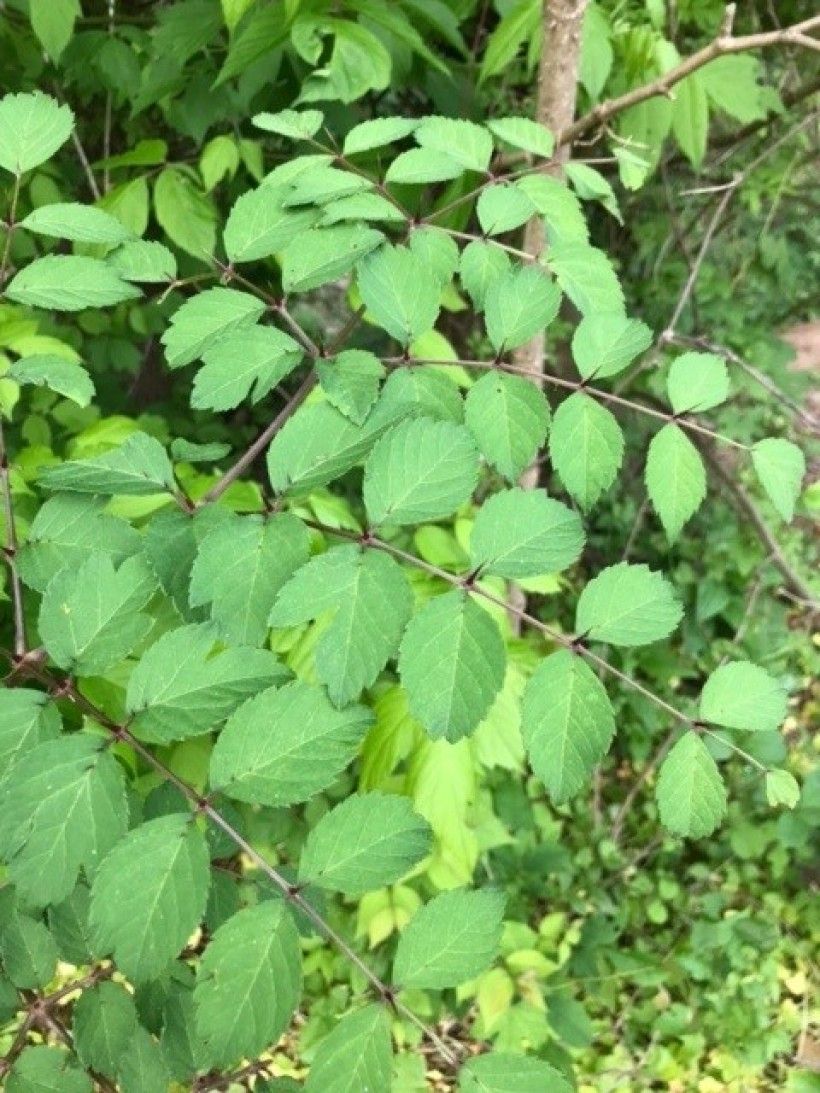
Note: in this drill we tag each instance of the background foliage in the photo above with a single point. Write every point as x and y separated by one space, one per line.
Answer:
227 235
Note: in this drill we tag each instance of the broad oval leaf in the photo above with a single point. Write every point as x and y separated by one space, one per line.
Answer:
205 319
33 127
509 417
690 791
675 478
524 533
138 467
398 292
627 605
605 343
499 1072
79 223
357 1055
586 448
697 382
66 282
518 304
741 695
780 467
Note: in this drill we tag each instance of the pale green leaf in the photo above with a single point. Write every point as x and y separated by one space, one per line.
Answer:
586 448
451 939
180 688
320 255
627 605
371 602
418 392
502 208
437 252
365 206
79 223
519 24
64 282
104 1021
260 225
91 617
61 809
697 382
467 143
499 1072
418 166
351 382
32 127
322 183
690 117
293 124
67 529
519 304
356 1055
248 983
240 566
58 374
185 213
782 789
675 478
690 792
143 260
27 718
313 744
587 277
53 23
560 208
249 361
205 319
780 467
524 533
567 723
399 293
149 895
186 451
138 467
366 842
731 82
420 470
481 264
605 343
523 133
509 418
377 133
451 662
740 695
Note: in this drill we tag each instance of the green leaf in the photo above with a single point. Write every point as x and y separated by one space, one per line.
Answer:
143 260
104 1022
240 566
27 951
519 304
313 744
322 183
66 531
399 293
731 83
605 343
68 923
377 133
186 214
627 605
181 689
499 1072
351 382
249 361
53 23
186 451
586 448
91 617
149 895
690 117
61 809
590 185
782 789
366 206
420 470
596 52
27 718
365 843
258 36
451 663
509 417
418 166
523 133
142 1067
697 382
690 792
248 983
138 467
317 445
79 223
740 695
371 602
63 282
204 320
524 533
357 1055
560 208
586 275
320 255
464 141
418 392
780 467
58 374
32 127
567 723
453 938
293 124
481 264
43 1069
519 24
675 478
502 208
437 252
260 225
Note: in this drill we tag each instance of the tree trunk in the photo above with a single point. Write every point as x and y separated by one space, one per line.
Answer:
555 108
